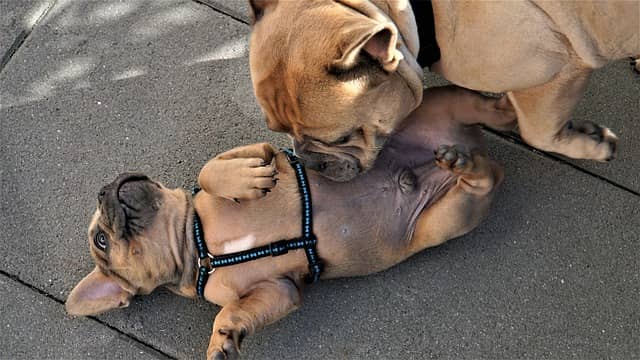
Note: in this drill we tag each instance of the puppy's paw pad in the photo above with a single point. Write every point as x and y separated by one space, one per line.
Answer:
454 158
602 135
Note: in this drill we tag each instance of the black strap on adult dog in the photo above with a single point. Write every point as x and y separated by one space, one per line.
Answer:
429 51
208 263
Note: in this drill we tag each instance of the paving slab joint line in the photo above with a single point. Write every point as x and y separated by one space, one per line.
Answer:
223 10
517 140
22 37
61 302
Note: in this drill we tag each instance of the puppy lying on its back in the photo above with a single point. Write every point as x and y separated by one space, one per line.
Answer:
142 236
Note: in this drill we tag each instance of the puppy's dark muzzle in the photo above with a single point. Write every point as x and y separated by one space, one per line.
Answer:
129 203
113 188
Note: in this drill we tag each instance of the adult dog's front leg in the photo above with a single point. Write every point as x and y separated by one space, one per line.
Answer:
265 304
243 173
543 118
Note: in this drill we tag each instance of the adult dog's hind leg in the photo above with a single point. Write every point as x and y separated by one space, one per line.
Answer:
465 205
543 118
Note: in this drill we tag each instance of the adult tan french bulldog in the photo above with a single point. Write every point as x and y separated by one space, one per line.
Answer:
340 75
416 196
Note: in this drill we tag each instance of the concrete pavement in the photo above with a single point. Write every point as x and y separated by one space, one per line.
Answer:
99 87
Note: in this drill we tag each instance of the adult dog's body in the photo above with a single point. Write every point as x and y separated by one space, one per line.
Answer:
339 75
141 234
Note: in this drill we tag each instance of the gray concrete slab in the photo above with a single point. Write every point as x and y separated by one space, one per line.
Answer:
87 44
36 327
17 19
552 273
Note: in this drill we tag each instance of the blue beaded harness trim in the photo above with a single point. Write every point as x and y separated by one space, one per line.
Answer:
208 263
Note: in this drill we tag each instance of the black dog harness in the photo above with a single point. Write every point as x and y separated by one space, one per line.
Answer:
208 263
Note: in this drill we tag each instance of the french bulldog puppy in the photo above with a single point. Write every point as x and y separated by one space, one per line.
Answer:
340 75
418 194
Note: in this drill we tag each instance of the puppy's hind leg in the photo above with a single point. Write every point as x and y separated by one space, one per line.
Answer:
267 303
462 208
635 64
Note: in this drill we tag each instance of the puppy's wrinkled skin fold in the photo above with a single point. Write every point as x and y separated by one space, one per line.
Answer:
432 182
340 75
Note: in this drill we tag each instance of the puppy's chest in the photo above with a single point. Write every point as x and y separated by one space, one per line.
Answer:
230 227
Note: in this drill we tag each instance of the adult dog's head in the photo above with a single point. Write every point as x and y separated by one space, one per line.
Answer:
338 75
136 238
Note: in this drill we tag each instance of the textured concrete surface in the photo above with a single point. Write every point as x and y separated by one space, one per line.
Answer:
236 8
101 87
36 327
17 19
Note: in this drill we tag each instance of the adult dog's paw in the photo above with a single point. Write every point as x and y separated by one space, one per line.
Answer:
635 64
225 344
603 136
454 158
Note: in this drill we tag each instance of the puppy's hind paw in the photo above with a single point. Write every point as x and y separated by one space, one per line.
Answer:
453 158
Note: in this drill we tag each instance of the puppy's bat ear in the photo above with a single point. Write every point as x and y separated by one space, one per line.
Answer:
258 7
379 40
96 293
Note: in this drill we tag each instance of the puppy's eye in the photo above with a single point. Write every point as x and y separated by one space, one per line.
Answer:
343 140
100 240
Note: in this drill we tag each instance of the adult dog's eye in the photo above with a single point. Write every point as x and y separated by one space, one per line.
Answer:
100 240
343 140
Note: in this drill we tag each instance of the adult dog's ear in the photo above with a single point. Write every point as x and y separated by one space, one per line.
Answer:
257 9
96 293
379 40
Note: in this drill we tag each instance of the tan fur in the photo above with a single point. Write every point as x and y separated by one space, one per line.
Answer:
161 252
540 52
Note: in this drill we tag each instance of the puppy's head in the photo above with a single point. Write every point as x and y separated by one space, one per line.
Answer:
133 239
336 75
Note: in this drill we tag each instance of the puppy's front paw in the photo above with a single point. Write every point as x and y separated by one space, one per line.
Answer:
225 344
256 179
454 158
246 179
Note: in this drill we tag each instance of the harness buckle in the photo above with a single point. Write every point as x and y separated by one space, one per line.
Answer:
291 157
206 263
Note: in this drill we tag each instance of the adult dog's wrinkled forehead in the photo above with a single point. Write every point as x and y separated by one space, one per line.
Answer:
311 61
